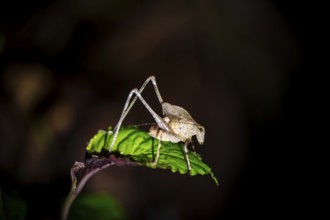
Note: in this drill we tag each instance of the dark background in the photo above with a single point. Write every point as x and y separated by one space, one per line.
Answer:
239 67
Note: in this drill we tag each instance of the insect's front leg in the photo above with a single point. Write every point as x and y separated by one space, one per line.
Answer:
192 146
186 154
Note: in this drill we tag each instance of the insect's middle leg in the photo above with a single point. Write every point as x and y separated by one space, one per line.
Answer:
159 137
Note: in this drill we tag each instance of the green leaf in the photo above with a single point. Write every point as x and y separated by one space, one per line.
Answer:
139 146
95 206
11 206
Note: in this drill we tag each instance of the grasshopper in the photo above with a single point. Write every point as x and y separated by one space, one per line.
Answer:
176 124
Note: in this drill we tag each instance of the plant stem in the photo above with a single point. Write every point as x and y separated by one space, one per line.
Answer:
76 189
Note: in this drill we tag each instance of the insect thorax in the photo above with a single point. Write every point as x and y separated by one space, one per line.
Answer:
184 128
162 135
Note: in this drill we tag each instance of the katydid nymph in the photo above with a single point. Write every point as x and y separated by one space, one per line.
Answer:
130 145
176 125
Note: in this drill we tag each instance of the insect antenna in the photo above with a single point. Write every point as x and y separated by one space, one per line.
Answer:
145 124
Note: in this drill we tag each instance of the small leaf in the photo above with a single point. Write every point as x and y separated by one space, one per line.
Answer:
11 206
95 206
140 147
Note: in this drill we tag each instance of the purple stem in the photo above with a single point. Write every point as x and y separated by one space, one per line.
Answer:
76 189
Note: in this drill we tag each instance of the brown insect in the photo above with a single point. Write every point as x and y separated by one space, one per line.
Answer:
175 126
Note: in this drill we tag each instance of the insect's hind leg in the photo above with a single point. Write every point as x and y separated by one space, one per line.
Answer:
160 122
154 83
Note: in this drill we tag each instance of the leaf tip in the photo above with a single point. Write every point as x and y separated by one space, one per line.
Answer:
214 179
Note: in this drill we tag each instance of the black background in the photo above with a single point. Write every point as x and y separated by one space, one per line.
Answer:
276 177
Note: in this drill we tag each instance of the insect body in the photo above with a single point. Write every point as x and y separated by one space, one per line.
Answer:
182 123
177 125
183 126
